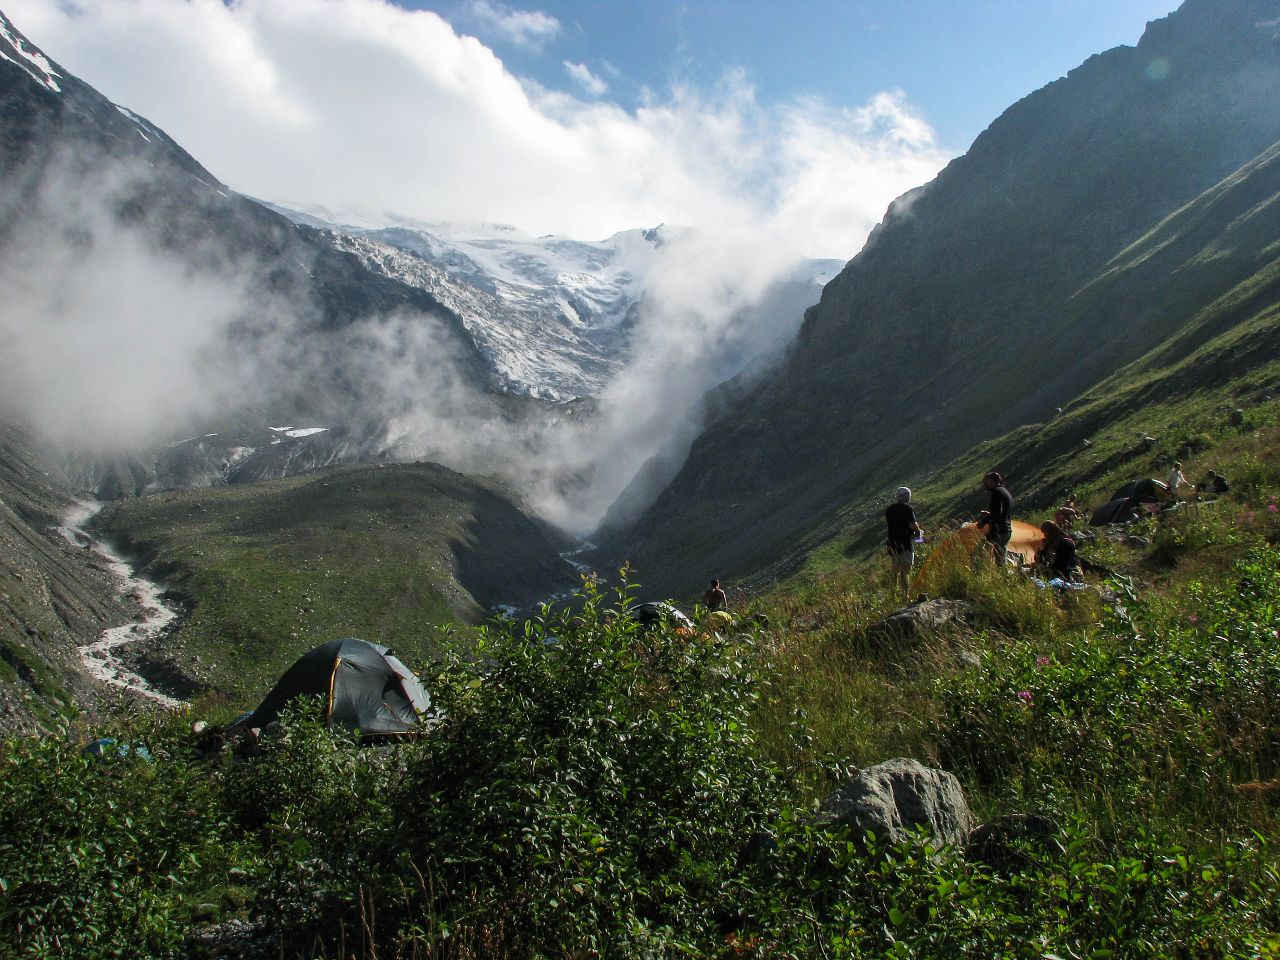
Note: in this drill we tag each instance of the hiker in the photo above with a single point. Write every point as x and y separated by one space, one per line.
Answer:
1214 483
998 517
1066 515
1176 479
903 534
1058 554
715 598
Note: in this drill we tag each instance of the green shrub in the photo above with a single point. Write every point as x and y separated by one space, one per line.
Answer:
598 778
105 856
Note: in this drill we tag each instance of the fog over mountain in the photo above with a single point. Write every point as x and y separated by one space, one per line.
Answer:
992 296
187 321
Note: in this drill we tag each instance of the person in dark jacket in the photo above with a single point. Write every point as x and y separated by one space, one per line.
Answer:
903 532
1058 554
998 517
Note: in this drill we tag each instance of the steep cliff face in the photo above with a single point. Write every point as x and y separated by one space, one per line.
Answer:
81 177
963 315
55 596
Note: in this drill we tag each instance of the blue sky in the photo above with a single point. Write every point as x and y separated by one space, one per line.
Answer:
962 62
795 122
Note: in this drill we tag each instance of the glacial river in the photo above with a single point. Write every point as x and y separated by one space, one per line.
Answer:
102 657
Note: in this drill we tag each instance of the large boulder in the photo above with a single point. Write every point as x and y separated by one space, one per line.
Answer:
920 618
894 798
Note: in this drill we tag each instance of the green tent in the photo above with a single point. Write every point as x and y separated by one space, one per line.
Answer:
364 687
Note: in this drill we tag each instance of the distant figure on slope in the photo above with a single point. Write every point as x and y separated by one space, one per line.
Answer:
715 598
1058 555
1214 483
998 517
1176 479
1066 515
903 534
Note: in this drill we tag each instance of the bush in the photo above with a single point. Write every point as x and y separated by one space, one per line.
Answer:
597 778
105 856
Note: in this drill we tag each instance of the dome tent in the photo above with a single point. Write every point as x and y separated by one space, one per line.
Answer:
365 687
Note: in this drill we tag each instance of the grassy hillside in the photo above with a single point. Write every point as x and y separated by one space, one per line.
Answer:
388 553
1074 237
616 793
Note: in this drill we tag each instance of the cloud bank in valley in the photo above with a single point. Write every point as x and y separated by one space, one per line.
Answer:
110 342
364 106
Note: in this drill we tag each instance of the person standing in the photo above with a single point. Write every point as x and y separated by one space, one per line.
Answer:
998 517
715 598
1176 479
903 533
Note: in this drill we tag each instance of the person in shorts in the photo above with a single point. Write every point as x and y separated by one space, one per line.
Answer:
903 533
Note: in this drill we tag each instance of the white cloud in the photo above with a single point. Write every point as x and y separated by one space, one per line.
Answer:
362 105
525 28
583 76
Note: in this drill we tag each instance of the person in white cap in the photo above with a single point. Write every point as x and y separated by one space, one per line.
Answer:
903 534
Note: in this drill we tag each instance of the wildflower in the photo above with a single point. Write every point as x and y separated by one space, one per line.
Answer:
1193 618
1271 507
1042 661
1024 696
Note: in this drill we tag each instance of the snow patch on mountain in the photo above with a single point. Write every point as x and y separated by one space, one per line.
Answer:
32 62
297 432
554 316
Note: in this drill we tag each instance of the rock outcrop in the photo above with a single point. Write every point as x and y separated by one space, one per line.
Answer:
892 800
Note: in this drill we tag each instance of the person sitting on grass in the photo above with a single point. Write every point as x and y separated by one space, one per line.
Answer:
1058 554
1176 479
1213 483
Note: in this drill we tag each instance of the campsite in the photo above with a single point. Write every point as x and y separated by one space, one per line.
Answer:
591 778
602 481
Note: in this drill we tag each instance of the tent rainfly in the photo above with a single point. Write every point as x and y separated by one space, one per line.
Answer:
365 688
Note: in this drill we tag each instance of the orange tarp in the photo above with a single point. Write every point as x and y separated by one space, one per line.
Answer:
959 547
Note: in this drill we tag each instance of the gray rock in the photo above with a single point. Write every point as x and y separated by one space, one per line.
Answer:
893 798
926 616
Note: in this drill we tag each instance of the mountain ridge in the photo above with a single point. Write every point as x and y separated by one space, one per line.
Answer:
897 369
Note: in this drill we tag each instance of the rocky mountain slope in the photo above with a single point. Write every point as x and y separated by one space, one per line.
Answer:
310 327
54 595
555 316
1002 290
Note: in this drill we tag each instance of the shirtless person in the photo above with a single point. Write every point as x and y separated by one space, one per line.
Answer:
715 598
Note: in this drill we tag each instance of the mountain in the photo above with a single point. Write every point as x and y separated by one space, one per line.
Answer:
475 346
1002 290
94 197
554 316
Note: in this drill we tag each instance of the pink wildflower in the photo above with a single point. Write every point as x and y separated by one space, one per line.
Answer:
1193 618
1024 696
1042 661
1272 507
